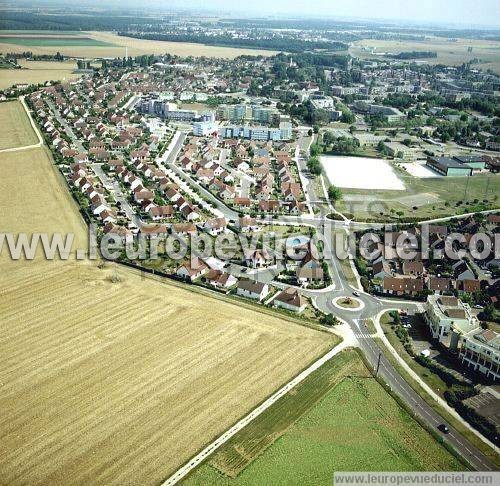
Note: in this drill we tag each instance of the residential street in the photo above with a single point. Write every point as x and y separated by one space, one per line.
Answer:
66 127
372 306
247 205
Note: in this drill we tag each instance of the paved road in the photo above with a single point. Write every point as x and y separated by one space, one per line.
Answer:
76 141
417 404
301 157
245 180
167 163
114 186
372 306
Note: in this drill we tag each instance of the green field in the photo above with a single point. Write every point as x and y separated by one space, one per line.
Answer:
433 380
41 32
44 41
339 419
425 198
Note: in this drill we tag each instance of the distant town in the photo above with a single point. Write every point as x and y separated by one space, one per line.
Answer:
316 146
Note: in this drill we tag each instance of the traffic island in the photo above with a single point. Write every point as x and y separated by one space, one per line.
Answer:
348 303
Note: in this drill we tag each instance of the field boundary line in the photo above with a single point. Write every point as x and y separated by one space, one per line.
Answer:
222 439
18 149
32 122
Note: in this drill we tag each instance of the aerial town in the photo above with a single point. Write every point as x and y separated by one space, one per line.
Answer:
354 195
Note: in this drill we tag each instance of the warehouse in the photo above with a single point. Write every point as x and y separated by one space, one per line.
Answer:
448 166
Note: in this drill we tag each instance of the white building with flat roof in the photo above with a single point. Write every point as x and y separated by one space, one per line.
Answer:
448 318
480 349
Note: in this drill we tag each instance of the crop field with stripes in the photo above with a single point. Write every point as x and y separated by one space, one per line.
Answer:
107 377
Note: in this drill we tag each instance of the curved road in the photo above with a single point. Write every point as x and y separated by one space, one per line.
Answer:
323 300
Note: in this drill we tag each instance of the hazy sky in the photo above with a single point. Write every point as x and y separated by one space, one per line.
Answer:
485 12
463 12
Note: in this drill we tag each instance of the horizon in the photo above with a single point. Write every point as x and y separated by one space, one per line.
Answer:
448 13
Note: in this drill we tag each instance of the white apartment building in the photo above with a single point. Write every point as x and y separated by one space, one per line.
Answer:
480 349
448 318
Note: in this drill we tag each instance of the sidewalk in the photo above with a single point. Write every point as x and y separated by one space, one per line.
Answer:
422 383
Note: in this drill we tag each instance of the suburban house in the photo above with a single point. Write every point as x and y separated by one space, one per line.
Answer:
290 299
403 285
220 279
161 212
192 269
215 226
258 258
439 284
309 270
248 224
381 269
252 289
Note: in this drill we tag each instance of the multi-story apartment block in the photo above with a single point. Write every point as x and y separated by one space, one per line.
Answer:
449 318
264 114
255 133
260 114
286 130
234 112
480 349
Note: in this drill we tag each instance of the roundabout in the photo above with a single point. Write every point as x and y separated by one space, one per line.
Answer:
348 303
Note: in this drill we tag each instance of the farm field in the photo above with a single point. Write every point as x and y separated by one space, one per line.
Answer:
35 72
450 52
34 199
121 383
16 128
425 198
112 45
111 378
42 40
346 422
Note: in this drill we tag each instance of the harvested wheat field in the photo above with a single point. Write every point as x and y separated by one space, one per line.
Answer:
35 72
110 378
16 129
108 44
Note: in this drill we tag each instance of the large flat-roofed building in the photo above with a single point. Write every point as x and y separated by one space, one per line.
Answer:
241 112
448 318
397 149
321 102
255 133
166 110
234 112
476 162
453 324
449 167
388 112
346 90
368 139
265 114
204 128
286 130
480 349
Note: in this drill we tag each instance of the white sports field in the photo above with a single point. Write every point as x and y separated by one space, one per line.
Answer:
420 170
361 173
